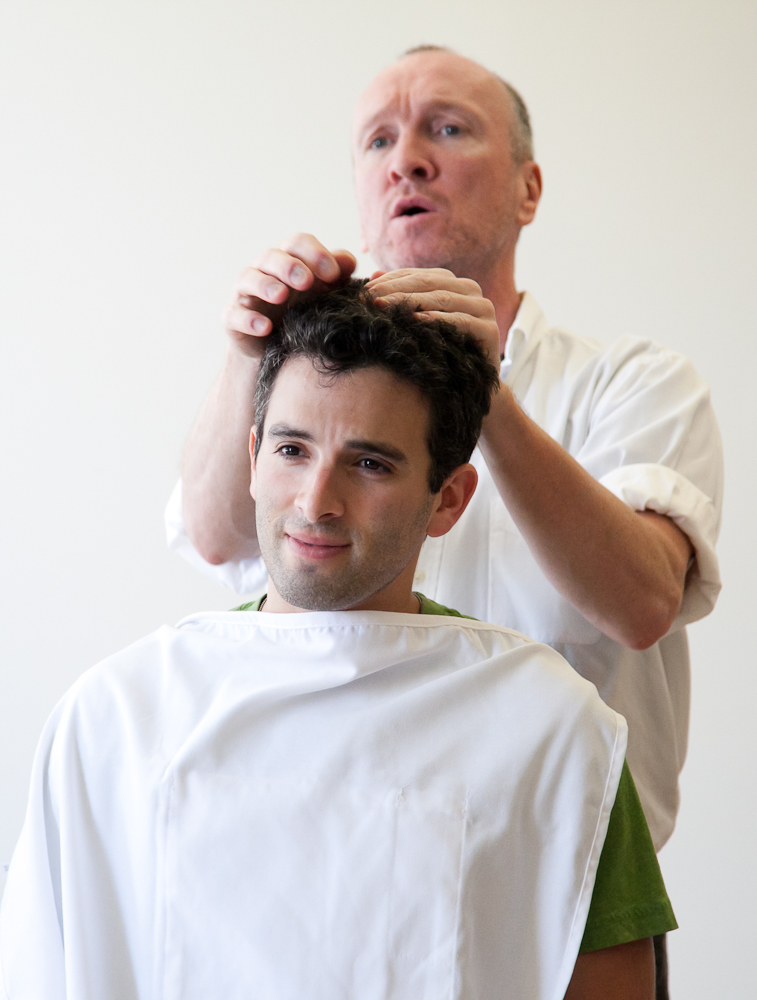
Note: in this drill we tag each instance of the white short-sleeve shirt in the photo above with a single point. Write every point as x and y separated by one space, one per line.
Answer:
638 418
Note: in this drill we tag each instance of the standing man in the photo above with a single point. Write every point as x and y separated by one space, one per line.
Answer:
594 523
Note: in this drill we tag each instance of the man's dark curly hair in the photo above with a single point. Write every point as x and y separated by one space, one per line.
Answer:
342 330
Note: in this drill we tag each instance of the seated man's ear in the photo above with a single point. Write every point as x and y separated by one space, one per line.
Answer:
453 498
253 477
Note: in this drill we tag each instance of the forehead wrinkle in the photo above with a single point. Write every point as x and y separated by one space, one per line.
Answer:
486 96
426 107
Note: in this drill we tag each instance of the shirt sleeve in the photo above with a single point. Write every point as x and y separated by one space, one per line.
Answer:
653 441
629 901
247 576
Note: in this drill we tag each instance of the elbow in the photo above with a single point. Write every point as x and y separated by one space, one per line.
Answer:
208 547
640 639
213 556
217 546
213 545
651 621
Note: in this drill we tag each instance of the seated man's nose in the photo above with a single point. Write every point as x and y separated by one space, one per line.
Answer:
319 498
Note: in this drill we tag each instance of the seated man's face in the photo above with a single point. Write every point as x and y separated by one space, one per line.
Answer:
341 489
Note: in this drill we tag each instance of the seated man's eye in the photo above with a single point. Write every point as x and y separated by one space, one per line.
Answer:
371 465
289 450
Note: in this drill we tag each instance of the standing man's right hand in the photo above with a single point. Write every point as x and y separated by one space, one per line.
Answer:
218 511
265 288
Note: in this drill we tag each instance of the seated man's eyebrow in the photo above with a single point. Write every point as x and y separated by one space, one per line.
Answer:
375 447
285 431
378 448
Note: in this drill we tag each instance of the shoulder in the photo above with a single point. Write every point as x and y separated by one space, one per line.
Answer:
631 379
122 702
530 673
129 670
632 357
542 349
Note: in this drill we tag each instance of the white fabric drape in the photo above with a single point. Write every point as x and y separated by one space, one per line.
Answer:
329 806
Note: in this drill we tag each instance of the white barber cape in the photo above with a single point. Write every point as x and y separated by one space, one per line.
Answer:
331 806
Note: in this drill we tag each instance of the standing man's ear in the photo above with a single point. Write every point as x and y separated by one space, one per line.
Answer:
253 470
530 188
453 498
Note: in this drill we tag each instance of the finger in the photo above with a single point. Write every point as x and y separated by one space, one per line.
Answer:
314 255
481 330
376 274
285 268
256 286
414 285
417 279
464 321
347 262
238 319
485 333
403 272
442 301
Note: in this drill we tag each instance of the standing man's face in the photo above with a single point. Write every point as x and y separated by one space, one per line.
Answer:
341 490
436 183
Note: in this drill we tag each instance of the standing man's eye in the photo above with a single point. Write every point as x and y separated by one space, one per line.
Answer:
450 130
379 142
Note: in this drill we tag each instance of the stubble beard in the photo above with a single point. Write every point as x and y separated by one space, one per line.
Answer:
462 251
368 569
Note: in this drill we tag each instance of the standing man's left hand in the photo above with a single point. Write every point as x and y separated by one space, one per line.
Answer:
435 293
624 570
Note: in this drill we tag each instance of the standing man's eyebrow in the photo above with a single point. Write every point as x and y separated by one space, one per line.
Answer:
285 431
432 107
378 448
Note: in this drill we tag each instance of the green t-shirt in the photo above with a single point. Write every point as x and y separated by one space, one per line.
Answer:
629 901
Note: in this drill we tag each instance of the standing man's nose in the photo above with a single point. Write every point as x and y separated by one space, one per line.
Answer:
411 160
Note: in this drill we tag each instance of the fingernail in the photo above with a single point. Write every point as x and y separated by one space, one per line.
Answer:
299 274
328 269
260 325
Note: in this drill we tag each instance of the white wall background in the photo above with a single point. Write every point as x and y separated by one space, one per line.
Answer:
151 147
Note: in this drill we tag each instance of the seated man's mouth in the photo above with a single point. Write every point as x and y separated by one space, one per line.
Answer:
313 547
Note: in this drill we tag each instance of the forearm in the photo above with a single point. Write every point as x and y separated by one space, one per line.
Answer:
624 972
219 513
624 572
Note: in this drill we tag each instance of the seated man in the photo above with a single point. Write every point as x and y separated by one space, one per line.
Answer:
343 790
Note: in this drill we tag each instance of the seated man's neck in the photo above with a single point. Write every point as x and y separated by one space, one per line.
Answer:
398 596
